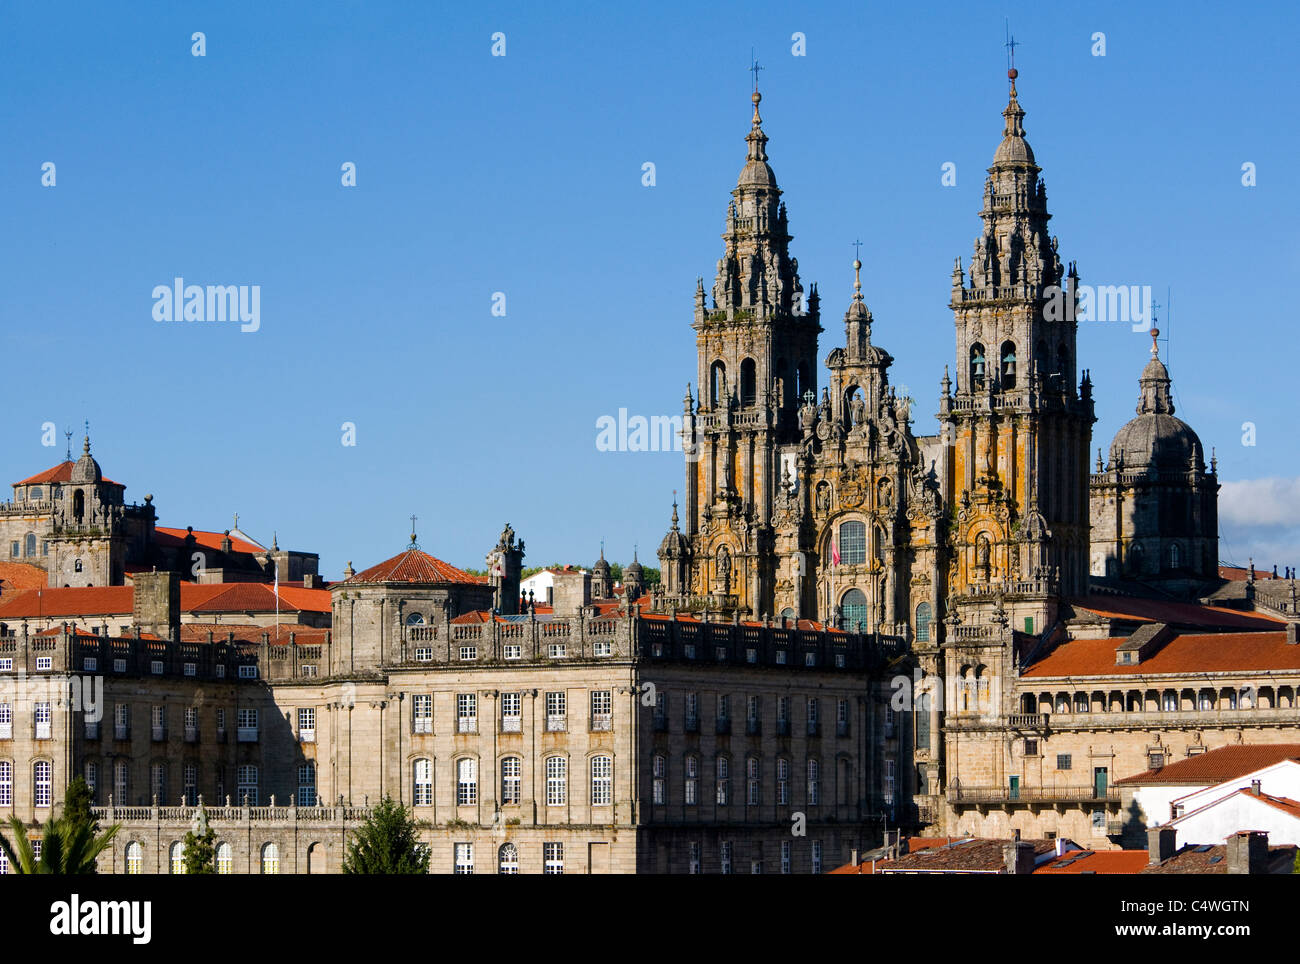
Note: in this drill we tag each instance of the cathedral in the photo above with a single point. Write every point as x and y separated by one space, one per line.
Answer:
984 544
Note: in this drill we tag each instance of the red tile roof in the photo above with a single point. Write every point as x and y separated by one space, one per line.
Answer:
251 597
85 601
279 635
1241 573
1214 860
1096 862
175 539
1187 653
414 565
964 855
1216 766
219 597
58 474
20 575
1173 613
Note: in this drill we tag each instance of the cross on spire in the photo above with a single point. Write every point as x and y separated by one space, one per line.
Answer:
236 520
68 436
1011 46
754 68
413 518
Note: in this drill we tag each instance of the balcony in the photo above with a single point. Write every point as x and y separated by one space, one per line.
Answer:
602 722
1028 721
512 724
782 727
306 736
753 727
722 725
6 731
814 728
43 730
246 734
467 724
660 724
841 727
422 724
692 724
158 734
1018 796
191 734
121 732
557 724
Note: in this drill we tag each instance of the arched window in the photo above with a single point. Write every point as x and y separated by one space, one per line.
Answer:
78 504
717 383
510 771
176 854
748 383
415 619
976 367
423 777
602 781
557 781
1040 358
508 859
270 859
806 383
1135 559
30 548
134 858
1008 365
923 623
1175 556
76 565
466 782
853 605
724 781
36 493
853 543
225 858
41 783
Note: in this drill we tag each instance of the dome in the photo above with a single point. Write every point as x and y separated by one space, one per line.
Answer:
86 471
1013 150
758 174
1158 442
601 568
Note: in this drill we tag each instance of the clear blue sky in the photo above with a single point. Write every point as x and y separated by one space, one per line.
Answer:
522 174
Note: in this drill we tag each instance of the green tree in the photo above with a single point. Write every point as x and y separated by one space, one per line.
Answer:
387 843
77 801
200 854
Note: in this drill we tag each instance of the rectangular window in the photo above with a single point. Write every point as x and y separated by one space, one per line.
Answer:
694 857
723 788
191 724
6 664
43 718
557 650
248 671
691 785
557 711
307 724
553 858
1031 748
514 651
468 653
511 767
602 647
602 706
842 718
602 781
422 713
221 724
220 669
785 856
751 655
246 726
423 773
890 779
92 780
752 783
190 779
810 658
308 669
247 785
158 722
44 662
6 784
1064 761
557 781
121 782
122 721
158 781
43 772
190 669
783 716
511 713
659 775
783 782
692 712
156 667
724 856
464 858
814 783
424 654
466 712
816 856
6 721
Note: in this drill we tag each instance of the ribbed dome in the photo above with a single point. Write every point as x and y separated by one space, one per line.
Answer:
757 174
1156 442
86 471
1013 150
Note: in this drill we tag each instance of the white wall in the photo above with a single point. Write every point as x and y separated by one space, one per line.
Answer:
1213 824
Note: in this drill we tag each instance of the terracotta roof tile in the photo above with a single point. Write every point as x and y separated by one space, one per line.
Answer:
21 575
1205 859
414 565
1188 615
1096 862
964 855
1216 766
58 474
175 538
84 601
221 597
279 635
1186 653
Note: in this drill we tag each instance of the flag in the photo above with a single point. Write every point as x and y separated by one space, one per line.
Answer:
835 553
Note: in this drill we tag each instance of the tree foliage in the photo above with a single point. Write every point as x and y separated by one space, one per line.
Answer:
387 843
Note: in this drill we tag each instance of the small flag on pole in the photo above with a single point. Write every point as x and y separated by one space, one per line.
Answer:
835 553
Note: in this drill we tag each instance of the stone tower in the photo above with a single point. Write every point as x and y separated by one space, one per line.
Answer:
1154 506
505 567
1019 421
757 350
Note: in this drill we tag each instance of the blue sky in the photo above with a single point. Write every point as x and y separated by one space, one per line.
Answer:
522 174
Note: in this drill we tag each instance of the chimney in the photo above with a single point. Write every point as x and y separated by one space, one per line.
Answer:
310 580
855 858
1254 787
1248 852
1161 844
1291 633
1018 856
572 592
156 604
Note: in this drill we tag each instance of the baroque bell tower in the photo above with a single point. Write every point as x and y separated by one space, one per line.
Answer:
1018 419
757 352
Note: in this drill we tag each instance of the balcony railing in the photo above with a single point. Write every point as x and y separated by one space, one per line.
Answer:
1028 721
723 725
841 727
307 736
782 727
814 728
753 727
467 724
602 722
692 724
191 734
246 734
6 731
43 731
557 724
660 724
1010 795
512 724
158 733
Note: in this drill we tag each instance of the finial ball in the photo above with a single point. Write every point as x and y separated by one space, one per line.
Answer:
1013 73
757 97
857 265
1155 333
